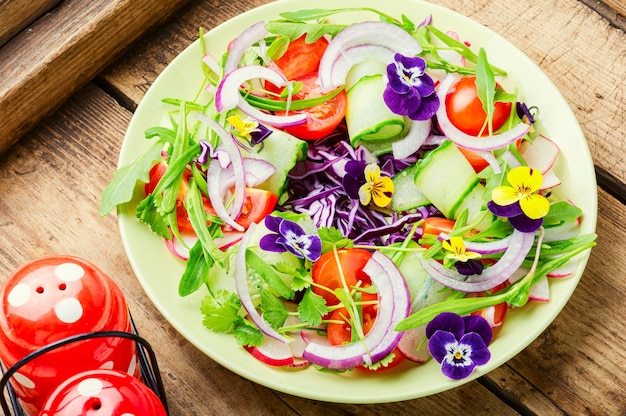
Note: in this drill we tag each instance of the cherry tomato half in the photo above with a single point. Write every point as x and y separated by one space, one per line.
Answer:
257 205
466 112
326 272
322 119
341 333
437 225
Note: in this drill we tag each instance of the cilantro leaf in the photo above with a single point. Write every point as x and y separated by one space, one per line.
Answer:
332 238
148 213
220 311
274 310
312 308
246 333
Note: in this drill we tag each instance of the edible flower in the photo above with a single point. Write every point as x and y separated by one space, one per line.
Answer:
289 236
207 152
249 129
524 113
365 182
520 202
466 262
410 91
458 343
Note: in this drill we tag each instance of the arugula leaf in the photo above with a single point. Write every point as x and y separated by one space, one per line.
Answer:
197 217
170 193
312 308
560 212
274 310
486 87
220 311
277 105
196 271
278 47
120 189
313 31
268 274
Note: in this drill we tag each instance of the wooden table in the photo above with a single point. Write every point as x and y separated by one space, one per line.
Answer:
52 179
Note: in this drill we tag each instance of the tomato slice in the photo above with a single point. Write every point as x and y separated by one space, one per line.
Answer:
301 58
322 119
325 272
257 205
437 225
341 333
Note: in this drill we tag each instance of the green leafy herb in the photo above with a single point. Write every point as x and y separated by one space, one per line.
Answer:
311 308
120 189
274 310
268 274
196 271
332 237
220 311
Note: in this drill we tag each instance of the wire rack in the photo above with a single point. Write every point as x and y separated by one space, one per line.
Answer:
149 368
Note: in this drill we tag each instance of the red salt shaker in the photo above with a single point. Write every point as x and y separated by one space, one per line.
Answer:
53 298
103 392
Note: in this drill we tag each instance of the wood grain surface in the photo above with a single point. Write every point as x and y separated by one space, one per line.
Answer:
52 179
15 15
65 49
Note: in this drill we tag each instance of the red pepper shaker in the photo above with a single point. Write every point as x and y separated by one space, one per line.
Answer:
53 298
103 392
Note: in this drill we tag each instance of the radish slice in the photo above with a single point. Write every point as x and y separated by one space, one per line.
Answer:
372 38
468 141
241 283
550 180
272 352
540 154
394 302
564 271
244 41
228 95
181 248
540 291
519 246
214 173
415 138
411 345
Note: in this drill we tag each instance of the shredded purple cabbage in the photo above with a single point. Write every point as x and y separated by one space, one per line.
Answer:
315 188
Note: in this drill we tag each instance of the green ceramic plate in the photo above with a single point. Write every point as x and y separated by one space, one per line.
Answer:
159 272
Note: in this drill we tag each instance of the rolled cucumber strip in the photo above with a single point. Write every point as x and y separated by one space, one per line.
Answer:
406 194
446 178
368 118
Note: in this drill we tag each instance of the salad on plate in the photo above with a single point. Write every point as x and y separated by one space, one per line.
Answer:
354 196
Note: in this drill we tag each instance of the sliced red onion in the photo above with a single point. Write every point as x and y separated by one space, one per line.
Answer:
393 306
415 138
241 283
483 247
355 55
214 174
373 33
257 171
491 159
519 246
228 95
468 141
244 41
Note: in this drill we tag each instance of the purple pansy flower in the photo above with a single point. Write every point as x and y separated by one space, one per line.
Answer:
207 153
289 236
458 343
410 91
354 178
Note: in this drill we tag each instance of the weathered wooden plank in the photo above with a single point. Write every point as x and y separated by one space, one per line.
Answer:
15 15
64 50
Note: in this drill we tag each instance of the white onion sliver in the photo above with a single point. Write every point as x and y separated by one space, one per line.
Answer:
468 141
415 138
241 283
483 247
519 246
365 33
353 56
271 119
236 160
244 41
228 96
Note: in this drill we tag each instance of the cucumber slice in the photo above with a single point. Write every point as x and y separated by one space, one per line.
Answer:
406 194
446 178
476 205
282 150
367 116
